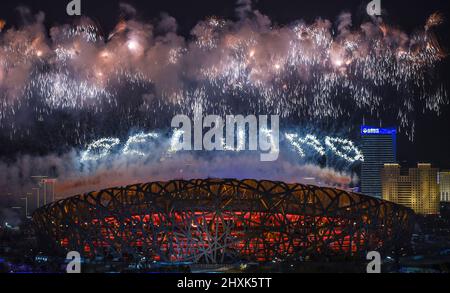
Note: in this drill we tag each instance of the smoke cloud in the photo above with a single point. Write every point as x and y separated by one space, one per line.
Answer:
311 70
77 176
63 87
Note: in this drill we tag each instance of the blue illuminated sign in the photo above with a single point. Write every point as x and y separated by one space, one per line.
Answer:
367 130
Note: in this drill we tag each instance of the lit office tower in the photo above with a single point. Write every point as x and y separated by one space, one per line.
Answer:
424 189
390 175
417 189
444 186
379 148
396 186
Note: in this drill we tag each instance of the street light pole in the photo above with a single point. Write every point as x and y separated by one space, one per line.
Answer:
41 180
53 189
26 206
45 192
30 195
52 183
38 202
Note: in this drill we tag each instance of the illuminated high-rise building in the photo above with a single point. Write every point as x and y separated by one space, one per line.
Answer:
444 186
417 189
379 148
396 186
424 189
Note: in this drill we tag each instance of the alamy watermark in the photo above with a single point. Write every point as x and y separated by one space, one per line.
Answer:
238 133
374 8
74 265
374 266
74 8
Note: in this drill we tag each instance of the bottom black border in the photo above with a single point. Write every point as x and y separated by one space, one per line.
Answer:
127 283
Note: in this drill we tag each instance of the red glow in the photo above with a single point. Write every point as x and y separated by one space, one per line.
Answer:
254 234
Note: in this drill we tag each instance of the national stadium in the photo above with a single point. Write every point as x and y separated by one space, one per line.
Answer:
219 221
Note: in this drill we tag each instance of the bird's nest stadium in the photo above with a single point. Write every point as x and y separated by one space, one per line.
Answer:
222 221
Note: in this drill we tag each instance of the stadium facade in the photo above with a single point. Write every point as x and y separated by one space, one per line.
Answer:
222 221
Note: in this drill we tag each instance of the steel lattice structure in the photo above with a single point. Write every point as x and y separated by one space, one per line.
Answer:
219 221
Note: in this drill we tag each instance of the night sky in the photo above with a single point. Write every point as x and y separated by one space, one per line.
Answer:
432 139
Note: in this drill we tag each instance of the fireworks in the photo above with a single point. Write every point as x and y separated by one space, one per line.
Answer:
136 140
306 147
313 71
309 140
99 149
339 147
175 144
435 19
346 149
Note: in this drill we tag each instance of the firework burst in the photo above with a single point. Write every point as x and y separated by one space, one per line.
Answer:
314 71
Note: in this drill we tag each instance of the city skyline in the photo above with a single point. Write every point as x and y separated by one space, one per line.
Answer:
241 136
416 188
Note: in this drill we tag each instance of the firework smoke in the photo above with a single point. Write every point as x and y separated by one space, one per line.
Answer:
61 89
73 176
313 70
